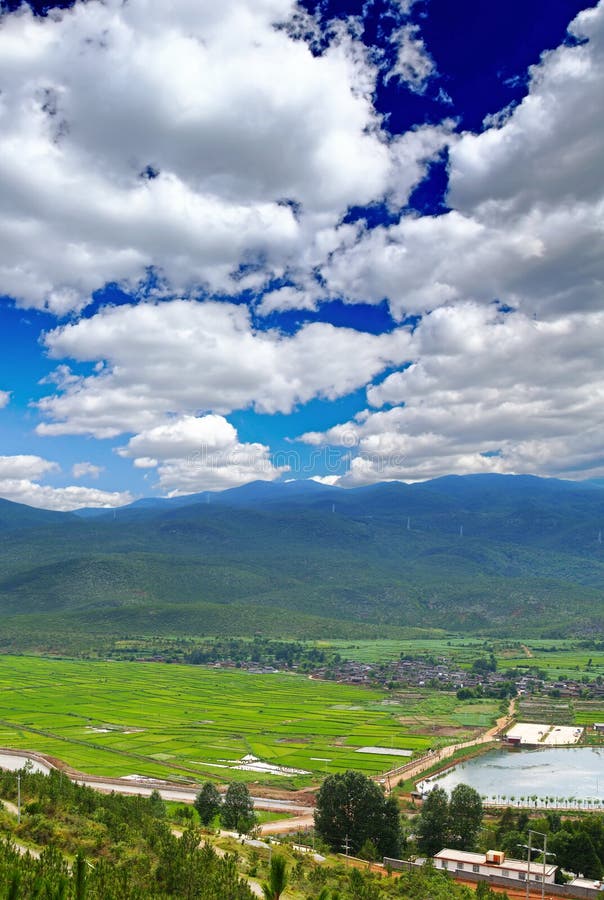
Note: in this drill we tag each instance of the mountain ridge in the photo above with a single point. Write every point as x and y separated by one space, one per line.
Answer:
471 553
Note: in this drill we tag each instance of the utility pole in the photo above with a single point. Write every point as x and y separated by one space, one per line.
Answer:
18 798
346 846
528 868
529 847
546 853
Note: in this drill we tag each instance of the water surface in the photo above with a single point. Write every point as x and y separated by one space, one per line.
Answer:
569 774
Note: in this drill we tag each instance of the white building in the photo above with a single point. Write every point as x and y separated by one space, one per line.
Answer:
493 863
587 883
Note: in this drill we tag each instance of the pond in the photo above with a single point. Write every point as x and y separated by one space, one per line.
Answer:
552 776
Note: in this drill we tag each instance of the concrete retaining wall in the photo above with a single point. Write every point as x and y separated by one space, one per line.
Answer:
551 890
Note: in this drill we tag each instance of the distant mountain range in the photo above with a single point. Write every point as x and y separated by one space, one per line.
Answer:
479 553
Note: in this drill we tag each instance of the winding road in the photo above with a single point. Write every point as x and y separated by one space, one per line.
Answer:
144 787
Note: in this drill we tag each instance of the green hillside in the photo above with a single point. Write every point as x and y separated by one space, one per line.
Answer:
478 554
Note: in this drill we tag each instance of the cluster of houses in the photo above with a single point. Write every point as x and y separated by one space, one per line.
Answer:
442 674
420 672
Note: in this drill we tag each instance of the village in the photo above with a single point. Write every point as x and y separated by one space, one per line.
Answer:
442 674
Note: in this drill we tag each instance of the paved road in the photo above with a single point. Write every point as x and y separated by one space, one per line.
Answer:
14 760
180 794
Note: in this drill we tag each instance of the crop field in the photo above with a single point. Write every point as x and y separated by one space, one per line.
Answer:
117 719
561 711
586 712
559 659
463 650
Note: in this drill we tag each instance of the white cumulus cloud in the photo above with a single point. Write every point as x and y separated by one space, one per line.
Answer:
487 391
86 470
25 466
19 481
286 298
527 205
413 66
65 499
193 140
183 357
200 453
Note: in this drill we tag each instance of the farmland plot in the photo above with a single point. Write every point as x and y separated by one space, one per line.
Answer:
117 719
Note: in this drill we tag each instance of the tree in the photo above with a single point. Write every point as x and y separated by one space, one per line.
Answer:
510 841
433 823
465 817
277 879
352 809
575 851
482 665
369 851
484 892
393 838
157 805
207 802
238 809
79 876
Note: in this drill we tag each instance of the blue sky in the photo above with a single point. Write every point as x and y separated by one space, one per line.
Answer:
351 241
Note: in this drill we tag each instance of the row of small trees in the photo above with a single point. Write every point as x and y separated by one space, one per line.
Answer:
537 801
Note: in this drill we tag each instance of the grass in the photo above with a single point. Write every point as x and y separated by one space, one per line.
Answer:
462 649
115 719
558 659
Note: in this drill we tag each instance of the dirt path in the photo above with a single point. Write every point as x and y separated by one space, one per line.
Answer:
412 770
10 807
288 826
276 800
255 887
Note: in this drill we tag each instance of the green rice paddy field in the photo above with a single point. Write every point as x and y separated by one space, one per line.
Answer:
116 719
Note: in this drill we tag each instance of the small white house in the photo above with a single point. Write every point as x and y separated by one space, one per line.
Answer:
493 862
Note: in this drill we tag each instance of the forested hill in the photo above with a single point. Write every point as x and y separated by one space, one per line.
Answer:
513 554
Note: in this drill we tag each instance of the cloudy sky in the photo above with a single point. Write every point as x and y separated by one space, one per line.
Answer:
258 239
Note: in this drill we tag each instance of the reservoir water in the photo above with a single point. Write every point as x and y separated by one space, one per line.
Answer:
556 776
